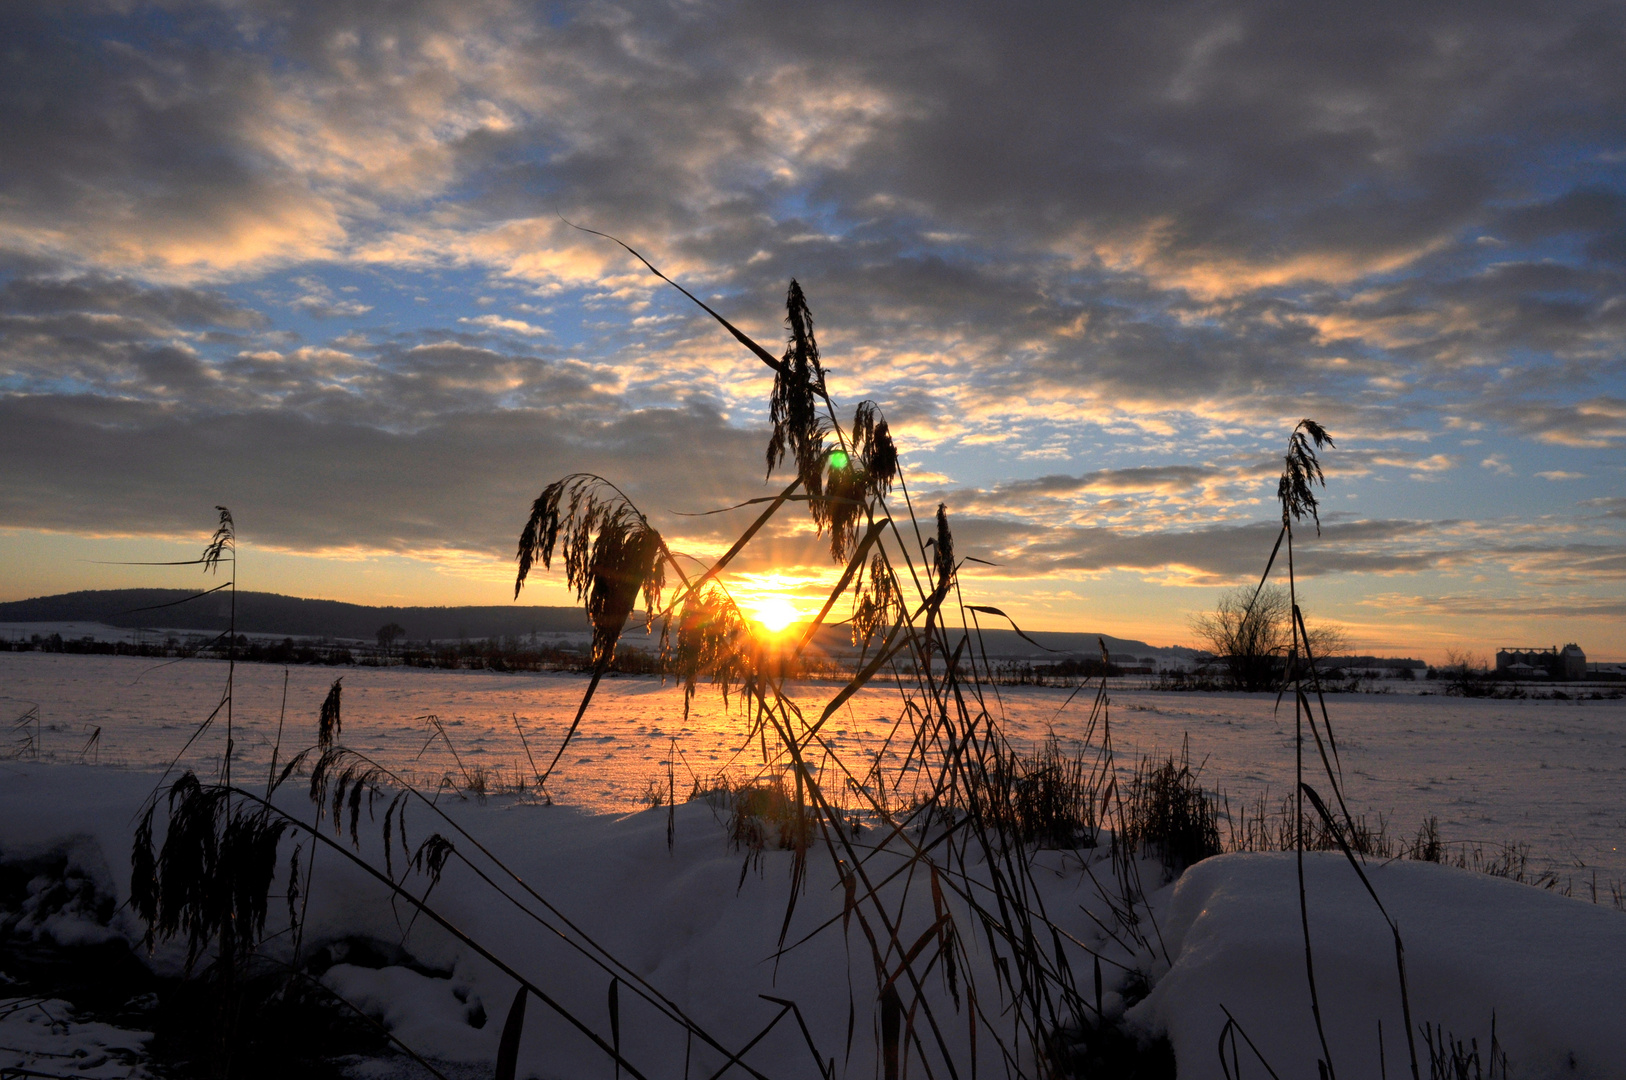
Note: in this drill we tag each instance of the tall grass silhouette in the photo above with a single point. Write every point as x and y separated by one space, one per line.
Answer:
949 810
960 807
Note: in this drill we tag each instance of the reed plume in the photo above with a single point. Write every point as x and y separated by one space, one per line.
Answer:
211 879
798 389
328 721
611 552
1302 469
857 480
710 638
223 541
877 603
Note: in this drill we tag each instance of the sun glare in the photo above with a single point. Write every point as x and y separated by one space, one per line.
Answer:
775 613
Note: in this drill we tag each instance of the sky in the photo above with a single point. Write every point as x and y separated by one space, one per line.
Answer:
311 261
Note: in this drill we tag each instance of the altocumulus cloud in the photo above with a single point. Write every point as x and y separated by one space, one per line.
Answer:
1094 260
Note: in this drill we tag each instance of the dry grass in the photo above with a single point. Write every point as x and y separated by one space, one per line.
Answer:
958 812
1451 1058
954 805
765 816
27 735
1169 814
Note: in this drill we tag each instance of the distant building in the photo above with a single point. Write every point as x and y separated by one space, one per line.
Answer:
1568 663
1390 666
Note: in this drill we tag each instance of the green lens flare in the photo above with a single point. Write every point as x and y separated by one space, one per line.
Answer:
838 459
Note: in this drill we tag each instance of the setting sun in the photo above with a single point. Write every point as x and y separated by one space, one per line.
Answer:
775 613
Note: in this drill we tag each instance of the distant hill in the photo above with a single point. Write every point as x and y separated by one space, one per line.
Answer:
1063 645
271 613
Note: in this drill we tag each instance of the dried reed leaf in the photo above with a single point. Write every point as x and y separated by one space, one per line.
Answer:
211 880
611 553
615 1023
223 541
798 388
328 722
1302 469
711 638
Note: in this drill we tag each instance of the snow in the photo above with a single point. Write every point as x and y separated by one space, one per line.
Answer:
688 921
1552 969
47 1036
427 1010
1538 772
700 923
704 936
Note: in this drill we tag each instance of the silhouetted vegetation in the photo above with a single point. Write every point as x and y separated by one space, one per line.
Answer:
956 808
1251 632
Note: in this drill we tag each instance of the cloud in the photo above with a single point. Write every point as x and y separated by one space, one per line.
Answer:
1229 554
1217 187
433 444
144 156
1093 263
1613 506
312 482
512 326
319 301
117 413
1595 422
41 295
318 308
1156 478
1519 608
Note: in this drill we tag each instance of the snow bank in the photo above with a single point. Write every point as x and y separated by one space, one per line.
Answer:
699 923
1553 969
80 819
687 921
46 1036
705 937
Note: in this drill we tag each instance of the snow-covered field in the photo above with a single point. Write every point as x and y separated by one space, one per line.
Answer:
690 931
1549 774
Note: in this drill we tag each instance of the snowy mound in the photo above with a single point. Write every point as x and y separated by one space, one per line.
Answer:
1553 969
695 929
